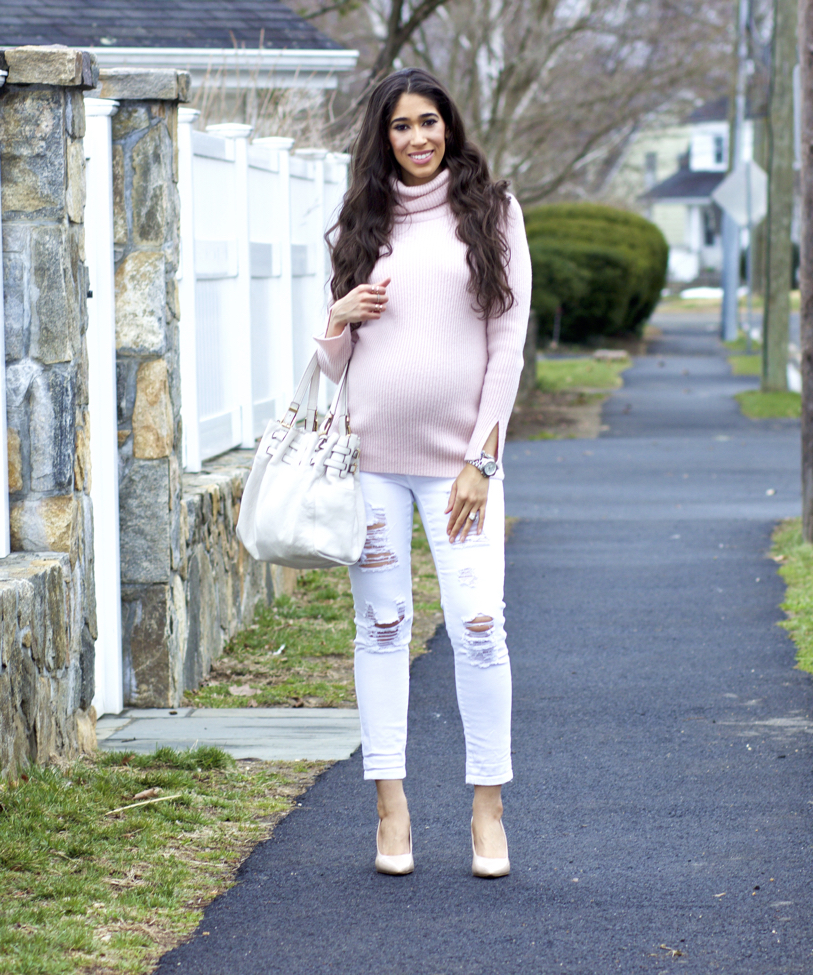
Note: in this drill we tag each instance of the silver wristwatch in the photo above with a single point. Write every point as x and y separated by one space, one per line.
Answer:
486 465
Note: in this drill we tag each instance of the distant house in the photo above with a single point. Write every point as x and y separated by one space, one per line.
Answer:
231 40
681 205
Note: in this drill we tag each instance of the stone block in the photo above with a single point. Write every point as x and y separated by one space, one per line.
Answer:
130 117
144 523
43 524
32 152
152 175
16 299
144 84
147 671
82 480
56 611
86 741
120 232
152 413
15 462
75 195
203 643
52 430
177 638
75 114
19 376
283 580
45 730
50 65
55 311
88 567
87 669
140 303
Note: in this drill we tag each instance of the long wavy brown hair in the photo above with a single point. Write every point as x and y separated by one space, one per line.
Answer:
362 232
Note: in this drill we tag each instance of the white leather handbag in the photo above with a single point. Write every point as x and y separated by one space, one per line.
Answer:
302 505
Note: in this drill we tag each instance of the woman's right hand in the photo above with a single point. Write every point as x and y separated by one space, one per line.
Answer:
367 302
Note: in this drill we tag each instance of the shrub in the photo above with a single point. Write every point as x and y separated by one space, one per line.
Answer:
605 267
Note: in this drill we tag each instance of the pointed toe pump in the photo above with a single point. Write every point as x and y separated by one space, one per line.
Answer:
398 865
489 867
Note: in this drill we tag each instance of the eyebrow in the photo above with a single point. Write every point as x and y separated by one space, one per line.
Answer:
403 118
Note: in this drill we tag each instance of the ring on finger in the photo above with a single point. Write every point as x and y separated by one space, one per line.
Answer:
472 515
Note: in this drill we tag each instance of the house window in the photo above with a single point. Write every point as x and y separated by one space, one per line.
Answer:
719 150
711 225
650 169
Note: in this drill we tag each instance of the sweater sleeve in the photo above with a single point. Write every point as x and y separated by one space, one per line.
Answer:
333 354
505 338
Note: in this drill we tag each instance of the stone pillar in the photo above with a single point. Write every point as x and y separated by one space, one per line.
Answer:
46 599
146 245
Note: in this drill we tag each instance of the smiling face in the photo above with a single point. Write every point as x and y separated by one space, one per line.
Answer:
418 138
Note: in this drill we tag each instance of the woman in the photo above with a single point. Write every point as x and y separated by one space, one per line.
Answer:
431 287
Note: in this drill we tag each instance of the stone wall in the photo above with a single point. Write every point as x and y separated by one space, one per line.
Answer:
48 613
146 233
223 583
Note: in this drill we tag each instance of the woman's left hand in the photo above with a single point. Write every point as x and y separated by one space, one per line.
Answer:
467 503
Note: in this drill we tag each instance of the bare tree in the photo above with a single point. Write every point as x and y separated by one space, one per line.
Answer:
780 199
806 268
552 90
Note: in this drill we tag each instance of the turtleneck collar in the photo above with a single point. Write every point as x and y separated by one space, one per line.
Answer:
426 196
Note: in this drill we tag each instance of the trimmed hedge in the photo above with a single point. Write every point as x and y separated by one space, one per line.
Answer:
605 267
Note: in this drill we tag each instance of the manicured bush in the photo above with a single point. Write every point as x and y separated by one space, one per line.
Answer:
605 267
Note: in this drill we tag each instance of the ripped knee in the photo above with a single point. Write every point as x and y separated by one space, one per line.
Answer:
483 645
480 624
384 632
377 552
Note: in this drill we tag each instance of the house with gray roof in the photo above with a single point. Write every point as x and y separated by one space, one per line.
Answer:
682 204
232 40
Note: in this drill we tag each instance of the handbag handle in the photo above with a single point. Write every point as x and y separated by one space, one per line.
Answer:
339 405
310 383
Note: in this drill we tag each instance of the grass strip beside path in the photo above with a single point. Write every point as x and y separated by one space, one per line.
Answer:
745 365
757 405
583 373
795 558
86 891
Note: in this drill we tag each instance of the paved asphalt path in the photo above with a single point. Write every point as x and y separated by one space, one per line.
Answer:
663 739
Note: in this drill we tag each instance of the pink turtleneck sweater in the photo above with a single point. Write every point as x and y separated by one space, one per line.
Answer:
429 380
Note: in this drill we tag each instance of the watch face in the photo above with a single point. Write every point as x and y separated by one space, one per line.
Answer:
490 468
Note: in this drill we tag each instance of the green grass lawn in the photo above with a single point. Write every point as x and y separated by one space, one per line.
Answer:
746 365
795 558
558 375
769 406
88 887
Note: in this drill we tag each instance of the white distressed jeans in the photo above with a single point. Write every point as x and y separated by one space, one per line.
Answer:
471 576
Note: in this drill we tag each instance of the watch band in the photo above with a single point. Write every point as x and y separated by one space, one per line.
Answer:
486 465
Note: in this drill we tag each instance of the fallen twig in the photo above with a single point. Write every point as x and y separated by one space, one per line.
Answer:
147 802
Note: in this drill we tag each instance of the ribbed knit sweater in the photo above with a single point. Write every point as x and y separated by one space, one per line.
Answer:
430 380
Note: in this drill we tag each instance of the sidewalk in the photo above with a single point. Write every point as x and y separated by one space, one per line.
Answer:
660 815
268 734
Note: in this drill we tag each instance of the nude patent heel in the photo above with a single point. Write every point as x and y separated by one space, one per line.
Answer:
398 865
489 867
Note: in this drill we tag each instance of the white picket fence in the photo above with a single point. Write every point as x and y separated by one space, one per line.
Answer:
253 279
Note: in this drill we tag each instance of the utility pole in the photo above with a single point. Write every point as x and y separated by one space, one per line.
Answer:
731 232
780 199
806 268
